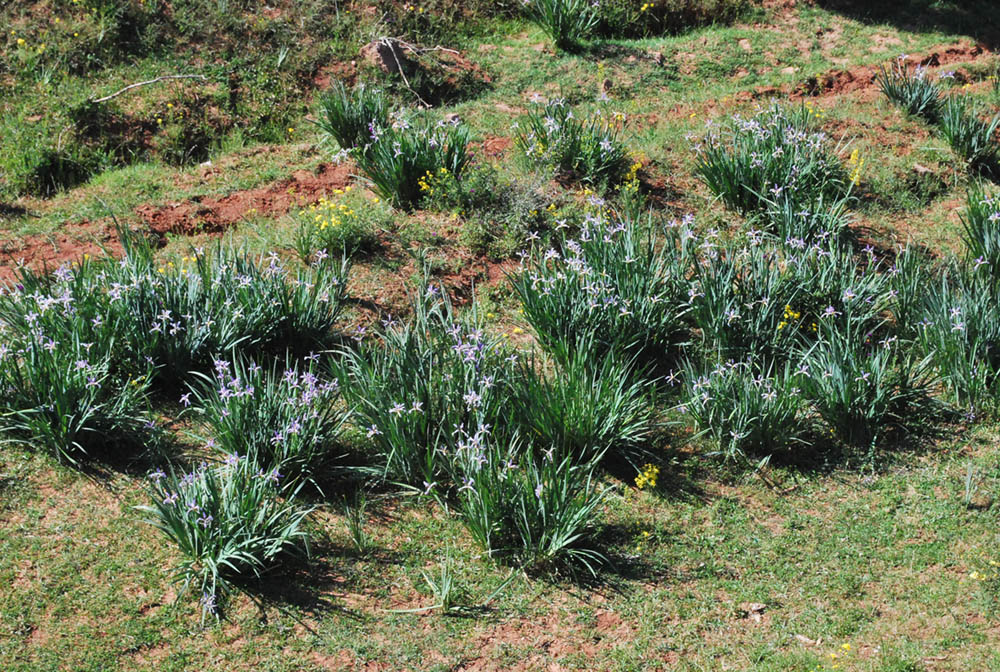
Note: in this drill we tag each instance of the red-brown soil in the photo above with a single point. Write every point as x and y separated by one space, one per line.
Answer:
495 146
216 214
838 82
196 215
69 243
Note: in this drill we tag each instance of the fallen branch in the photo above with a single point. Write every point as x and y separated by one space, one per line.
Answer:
391 43
151 81
423 50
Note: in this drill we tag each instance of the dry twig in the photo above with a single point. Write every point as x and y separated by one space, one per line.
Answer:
150 81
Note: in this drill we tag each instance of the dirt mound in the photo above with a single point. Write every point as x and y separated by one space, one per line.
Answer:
48 252
837 82
197 215
494 146
345 72
216 214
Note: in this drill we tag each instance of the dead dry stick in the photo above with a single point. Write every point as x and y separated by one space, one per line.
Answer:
423 50
150 81
390 42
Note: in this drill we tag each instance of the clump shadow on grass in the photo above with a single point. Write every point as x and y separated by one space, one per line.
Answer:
659 193
600 50
680 476
971 17
304 584
822 456
8 485
12 210
620 566
885 252
133 456
911 192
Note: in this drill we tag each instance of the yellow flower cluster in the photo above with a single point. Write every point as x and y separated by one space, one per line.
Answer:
329 214
815 112
22 43
647 477
540 147
836 659
171 114
856 162
984 576
630 183
170 266
427 182
788 316
633 171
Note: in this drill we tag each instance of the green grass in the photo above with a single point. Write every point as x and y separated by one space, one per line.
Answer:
835 558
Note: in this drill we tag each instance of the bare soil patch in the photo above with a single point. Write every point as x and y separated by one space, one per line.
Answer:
862 79
216 214
49 251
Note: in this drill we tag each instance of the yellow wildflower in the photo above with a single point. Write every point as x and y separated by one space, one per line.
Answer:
647 477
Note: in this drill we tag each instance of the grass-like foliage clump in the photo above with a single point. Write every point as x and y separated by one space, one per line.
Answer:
398 155
568 23
532 506
611 287
588 149
230 523
84 345
585 405
392 151
450 411
64 384
411 388
981 228
352 117
748 411
68 397
791 219
764 297
960 331
215 303
972 138
285 420
776 154
958 120
863 385
913 92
